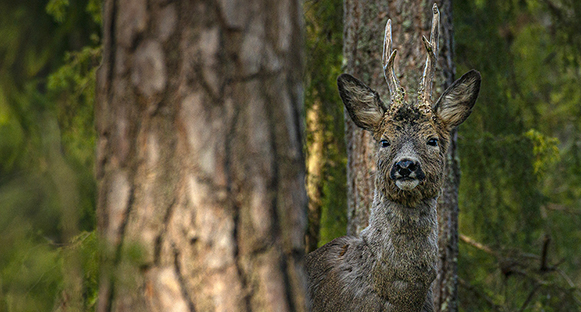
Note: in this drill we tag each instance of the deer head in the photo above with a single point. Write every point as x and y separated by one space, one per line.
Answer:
412 135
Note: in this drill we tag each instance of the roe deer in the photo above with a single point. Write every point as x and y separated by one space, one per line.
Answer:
392 264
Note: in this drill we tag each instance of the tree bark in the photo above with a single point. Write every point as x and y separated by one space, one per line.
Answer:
364 24
201 203
364 21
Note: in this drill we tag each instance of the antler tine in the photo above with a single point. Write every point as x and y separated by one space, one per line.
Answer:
388 58
425 92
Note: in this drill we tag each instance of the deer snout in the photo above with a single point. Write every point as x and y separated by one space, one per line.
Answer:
407 173
405 167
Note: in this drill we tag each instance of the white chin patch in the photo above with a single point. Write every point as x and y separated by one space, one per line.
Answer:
407 185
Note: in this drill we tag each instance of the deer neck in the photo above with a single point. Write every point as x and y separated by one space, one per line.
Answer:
398 231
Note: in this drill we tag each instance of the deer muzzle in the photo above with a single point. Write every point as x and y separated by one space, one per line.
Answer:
407 173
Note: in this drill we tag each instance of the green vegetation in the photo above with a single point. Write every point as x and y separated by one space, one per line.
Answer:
520 155
324 43
47 189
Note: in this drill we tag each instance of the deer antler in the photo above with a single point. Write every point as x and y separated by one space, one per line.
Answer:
425 90
395 91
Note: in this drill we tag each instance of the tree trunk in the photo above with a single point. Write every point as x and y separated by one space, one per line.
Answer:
200 168
315 165
364 24
445 287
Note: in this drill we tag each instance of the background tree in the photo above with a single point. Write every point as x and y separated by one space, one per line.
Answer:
199 156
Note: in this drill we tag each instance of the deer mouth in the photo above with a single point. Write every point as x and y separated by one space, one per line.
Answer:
407 183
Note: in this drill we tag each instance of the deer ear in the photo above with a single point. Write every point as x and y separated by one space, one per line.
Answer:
455 104
362 103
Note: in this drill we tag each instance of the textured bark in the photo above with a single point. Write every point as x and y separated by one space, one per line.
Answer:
445 286
364 24
200 169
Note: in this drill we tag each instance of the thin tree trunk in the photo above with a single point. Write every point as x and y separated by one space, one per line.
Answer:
363 36
200 169
325 127
315 165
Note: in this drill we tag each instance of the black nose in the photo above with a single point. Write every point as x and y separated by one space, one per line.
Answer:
405 167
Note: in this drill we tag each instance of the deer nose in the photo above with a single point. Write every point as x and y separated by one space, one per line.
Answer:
405 168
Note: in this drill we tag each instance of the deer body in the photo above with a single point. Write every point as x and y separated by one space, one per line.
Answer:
392 264
377 264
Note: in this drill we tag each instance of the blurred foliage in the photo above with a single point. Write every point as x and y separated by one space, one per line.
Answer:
324 43
47 189
545 151
520 154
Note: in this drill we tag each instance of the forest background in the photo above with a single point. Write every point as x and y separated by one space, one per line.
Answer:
520 151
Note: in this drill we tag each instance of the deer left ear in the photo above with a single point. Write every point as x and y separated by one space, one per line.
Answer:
455 104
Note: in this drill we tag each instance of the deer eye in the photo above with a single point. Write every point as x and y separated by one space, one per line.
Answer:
384 143
433 142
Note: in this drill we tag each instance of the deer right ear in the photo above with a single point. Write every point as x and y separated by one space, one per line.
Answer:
455 104
362 103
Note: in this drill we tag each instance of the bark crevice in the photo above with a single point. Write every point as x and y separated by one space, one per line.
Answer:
161 236
182 281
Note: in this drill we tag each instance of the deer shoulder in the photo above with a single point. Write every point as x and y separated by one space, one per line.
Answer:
339 275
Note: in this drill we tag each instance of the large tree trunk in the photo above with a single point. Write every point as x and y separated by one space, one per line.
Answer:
364 23
200 168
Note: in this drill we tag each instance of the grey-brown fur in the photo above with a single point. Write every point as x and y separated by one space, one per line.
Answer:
391 265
